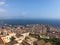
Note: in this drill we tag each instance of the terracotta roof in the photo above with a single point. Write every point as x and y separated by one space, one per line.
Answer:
2 36
25 43
20 44
48 43
1 41
41 42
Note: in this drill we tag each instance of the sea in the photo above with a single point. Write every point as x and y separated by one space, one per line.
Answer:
54 22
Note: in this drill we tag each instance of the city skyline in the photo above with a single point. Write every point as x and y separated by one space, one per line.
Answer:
29 9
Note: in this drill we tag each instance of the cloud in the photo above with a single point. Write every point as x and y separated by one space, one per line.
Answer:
2 10
24 13
6 5
2 3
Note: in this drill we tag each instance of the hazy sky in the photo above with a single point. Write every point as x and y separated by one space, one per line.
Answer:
29 9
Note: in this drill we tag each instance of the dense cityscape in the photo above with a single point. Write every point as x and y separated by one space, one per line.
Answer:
29 22
30 34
